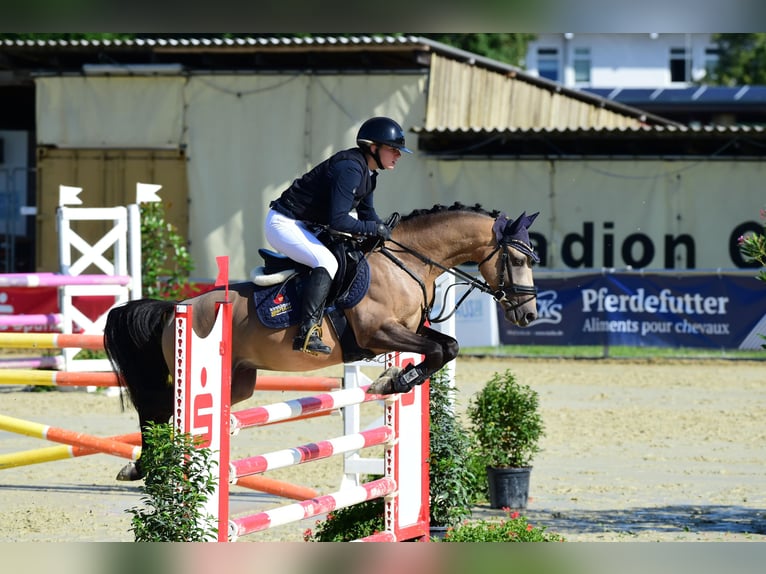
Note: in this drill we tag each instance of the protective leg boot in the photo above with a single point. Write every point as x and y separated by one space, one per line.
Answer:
315 291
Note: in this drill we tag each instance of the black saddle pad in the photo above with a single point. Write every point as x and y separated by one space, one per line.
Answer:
278 306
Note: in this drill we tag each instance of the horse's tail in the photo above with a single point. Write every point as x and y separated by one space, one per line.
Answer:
133 344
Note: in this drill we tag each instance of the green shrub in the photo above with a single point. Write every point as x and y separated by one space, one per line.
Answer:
165 261
514 528
178 483
452 490
349 523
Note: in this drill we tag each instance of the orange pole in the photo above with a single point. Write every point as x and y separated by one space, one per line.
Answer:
277 487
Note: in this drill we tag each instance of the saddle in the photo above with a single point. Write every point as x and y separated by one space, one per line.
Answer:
348 251
280 280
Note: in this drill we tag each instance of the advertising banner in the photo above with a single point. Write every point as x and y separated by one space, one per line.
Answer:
713 311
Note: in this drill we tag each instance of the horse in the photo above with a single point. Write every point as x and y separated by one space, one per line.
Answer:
391 315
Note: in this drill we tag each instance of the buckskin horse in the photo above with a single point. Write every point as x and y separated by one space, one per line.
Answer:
387 310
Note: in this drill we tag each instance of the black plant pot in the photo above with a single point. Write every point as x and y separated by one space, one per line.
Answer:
508 487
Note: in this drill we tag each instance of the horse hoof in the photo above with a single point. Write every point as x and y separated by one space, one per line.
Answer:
385 383
129 472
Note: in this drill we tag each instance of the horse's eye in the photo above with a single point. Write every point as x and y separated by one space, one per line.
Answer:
518 262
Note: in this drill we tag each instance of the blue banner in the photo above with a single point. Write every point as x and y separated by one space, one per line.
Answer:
652 310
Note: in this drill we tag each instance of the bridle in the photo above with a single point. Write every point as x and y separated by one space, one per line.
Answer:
501 294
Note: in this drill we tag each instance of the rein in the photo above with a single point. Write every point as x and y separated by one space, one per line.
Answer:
500 295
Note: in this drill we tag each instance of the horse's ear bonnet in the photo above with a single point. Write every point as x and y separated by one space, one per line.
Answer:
515 232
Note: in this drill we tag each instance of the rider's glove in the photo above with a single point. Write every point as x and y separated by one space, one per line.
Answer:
382 231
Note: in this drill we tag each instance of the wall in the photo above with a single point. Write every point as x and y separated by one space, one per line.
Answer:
246 137
617 213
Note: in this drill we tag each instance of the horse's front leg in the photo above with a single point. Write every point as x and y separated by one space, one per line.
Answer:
437 348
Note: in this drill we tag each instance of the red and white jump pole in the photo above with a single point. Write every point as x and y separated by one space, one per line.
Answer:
202 384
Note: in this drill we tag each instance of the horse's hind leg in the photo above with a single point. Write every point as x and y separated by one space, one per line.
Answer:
157 408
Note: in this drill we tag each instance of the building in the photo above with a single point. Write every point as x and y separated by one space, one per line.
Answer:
225 125
664 74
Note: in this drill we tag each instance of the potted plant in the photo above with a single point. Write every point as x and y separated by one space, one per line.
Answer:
450 474
506 427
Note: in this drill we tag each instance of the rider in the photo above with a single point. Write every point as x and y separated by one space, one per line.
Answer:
327 195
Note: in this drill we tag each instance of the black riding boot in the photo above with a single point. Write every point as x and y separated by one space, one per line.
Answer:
315 291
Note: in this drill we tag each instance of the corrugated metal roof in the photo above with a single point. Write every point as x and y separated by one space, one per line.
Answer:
657 130
193 42
473 91
462 96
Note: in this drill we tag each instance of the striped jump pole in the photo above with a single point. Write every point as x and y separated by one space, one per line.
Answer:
205 411
56 378
51 341
290 410
42 362
55 280
59 452
73 438
106 379
32 320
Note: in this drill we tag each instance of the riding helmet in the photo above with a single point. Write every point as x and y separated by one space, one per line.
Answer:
381 130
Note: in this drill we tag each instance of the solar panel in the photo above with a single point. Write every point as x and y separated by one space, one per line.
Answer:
690 95
753 94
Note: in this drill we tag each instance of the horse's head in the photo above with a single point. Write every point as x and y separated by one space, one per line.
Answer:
508 268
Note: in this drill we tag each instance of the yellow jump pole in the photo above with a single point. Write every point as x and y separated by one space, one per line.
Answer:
56 378
104 445
51 341
60 452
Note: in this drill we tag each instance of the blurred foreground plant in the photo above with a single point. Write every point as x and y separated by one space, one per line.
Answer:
514 528
178 483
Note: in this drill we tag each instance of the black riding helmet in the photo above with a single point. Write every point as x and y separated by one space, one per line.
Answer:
381 131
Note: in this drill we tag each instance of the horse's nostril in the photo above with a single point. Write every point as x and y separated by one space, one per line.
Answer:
531 317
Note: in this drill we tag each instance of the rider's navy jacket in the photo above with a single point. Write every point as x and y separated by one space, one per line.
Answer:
329 192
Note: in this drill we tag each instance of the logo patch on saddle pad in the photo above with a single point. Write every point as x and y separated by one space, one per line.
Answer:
278 306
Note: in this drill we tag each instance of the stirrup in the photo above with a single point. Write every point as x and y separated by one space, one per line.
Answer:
313 336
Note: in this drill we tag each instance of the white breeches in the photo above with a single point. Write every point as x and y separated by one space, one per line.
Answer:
292 238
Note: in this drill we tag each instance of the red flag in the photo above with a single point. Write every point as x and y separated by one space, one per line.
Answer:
223 273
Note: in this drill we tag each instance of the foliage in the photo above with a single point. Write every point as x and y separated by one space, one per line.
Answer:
451 476
510 48
514 528
177 484
505 422
740 60
753 247
349 523
166 263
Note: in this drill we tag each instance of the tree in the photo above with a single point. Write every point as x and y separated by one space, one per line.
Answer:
509 48
740 59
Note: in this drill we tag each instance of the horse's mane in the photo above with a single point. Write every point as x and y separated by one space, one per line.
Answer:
457 206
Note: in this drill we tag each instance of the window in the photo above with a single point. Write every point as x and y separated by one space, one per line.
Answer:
582 65
548 63
711 62
680 65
